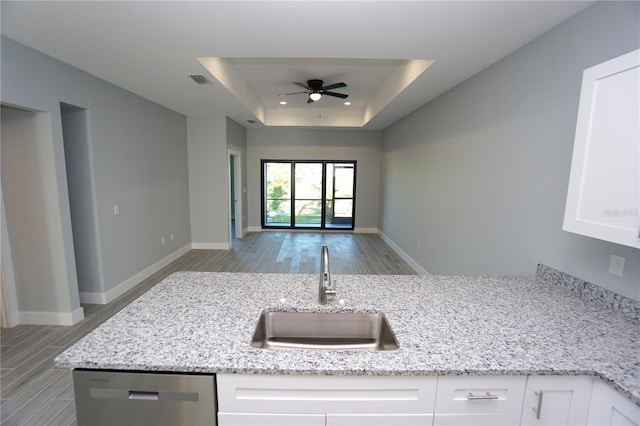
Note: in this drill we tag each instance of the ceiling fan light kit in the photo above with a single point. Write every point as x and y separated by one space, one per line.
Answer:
316 90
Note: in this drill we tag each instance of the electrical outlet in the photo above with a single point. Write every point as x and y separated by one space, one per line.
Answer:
616 265
163 240
171 236
116 209
418 245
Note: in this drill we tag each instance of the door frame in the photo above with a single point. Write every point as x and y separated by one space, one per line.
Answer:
236 157
8 290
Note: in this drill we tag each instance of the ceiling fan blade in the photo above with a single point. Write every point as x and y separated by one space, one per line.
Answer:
334 86
337 95
292 93
302 85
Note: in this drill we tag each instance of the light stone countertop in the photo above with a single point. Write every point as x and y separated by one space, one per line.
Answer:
445 325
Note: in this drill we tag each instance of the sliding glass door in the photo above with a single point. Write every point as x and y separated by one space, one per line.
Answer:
277 190
308 194
340 179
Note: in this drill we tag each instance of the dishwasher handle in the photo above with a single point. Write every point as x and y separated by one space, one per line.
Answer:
144 395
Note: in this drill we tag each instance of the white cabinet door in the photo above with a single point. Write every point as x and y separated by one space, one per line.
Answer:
269 419
479 400
247 393
557 400
610 408
604 186
379 419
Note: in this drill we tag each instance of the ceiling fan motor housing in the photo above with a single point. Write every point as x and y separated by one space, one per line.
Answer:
315 85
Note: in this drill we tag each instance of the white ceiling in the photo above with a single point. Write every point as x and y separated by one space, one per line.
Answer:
255 50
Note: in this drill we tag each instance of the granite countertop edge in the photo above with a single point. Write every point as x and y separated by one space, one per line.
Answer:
574 329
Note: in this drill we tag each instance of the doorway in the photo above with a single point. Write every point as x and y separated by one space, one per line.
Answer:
236 224
37 284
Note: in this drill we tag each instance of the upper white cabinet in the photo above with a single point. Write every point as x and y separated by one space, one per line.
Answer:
604 185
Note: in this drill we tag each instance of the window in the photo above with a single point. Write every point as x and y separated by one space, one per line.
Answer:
308 194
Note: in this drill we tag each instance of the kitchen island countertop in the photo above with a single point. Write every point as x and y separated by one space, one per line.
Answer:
445 325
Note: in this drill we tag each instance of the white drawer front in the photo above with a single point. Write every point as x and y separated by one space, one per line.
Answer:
379 420
476 420
325 394
264 419
480 395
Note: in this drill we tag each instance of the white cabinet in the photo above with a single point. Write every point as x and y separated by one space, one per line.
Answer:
604 186
331 400
379 419
479 400
610 408
281 400
270 419
557 400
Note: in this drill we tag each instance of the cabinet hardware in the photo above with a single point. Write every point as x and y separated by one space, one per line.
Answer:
472 397
539 409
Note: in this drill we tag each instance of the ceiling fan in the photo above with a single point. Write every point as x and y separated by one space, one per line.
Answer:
316 90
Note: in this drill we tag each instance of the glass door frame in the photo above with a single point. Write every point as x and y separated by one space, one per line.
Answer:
292 196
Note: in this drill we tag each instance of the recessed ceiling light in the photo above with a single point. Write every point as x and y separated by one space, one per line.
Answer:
347 103
283 102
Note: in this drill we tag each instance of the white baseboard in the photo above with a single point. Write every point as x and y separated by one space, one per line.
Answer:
243 233
210 246
123 287
93 298
366 230
51 318
416 267
127 285
355 231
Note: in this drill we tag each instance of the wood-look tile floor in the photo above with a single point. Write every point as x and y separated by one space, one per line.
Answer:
36 393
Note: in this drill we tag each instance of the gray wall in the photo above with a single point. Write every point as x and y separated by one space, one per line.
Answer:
209 181
479 176
210 138
237 141
307 144
139 161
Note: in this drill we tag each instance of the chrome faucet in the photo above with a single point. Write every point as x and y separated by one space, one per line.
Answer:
325 287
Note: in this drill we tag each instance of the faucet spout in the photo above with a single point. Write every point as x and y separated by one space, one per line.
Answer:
325 286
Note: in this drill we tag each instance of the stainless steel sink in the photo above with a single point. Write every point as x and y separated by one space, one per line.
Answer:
323 330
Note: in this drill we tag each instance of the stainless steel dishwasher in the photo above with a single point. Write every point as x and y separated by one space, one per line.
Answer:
141 398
